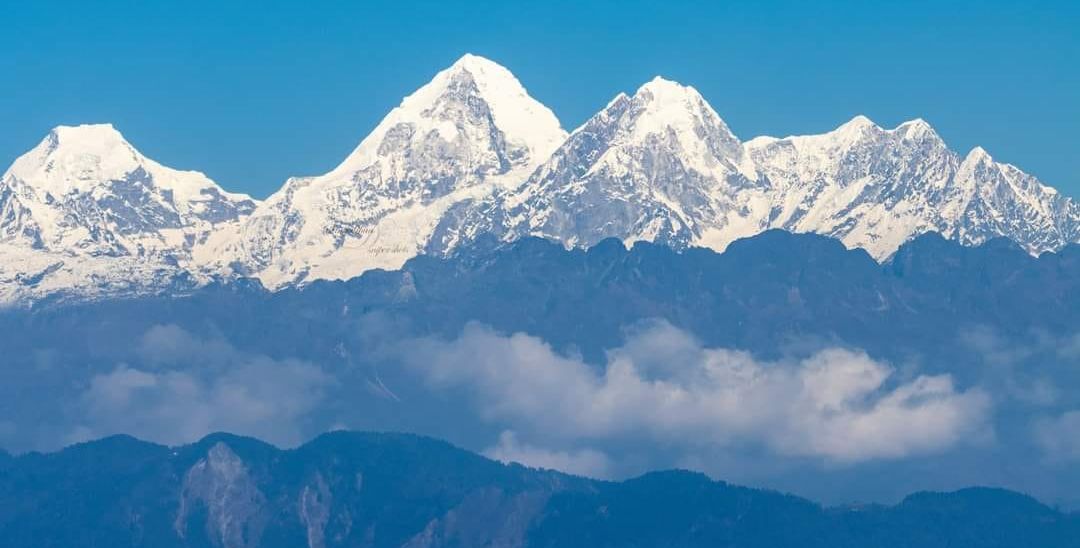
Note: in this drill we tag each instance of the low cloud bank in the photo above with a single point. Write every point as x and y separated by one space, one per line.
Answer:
186 387
663 386
583 462
826 421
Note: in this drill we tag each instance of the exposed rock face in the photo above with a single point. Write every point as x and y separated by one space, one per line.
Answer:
488 517
234 506
314 507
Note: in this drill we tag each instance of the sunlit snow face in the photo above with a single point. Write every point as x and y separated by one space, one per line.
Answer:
470 156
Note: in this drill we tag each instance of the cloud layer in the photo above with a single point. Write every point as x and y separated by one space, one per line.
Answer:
1002 411
837 405
583 462
187 387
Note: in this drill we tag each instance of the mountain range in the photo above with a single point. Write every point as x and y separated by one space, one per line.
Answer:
471 156
988 324
358 489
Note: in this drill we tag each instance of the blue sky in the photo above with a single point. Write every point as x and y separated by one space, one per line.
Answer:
254 92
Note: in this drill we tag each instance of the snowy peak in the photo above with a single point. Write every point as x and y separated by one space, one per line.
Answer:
88 138
72 157
522 119
664 118
85 214
917 129
859 131
854 130
474 108
997 199
859 136
875 189
977 156
89 157
858 123
87 188
670 96
471 131
659 165
662 106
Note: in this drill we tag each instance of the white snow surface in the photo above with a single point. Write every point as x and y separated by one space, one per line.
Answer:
84 215
470 132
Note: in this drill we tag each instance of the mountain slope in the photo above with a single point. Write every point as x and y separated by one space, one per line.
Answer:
355 489
469 156
471 130
659 166
662 166
85 212
876 189
1001 200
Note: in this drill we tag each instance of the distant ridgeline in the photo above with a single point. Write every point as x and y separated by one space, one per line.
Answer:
354 489
757 295
992 317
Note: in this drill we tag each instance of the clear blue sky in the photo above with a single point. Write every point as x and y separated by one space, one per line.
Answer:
253 92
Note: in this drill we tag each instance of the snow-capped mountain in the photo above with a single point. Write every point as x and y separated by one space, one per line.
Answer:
662 166
85 213
875 189
472 154
472 131
659 166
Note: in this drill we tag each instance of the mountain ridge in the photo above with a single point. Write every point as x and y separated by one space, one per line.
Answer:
349 488
86 212
471 154
472 129
992 319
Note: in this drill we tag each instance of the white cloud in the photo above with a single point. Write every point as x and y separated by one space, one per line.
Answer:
582 462
837 405
194 387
